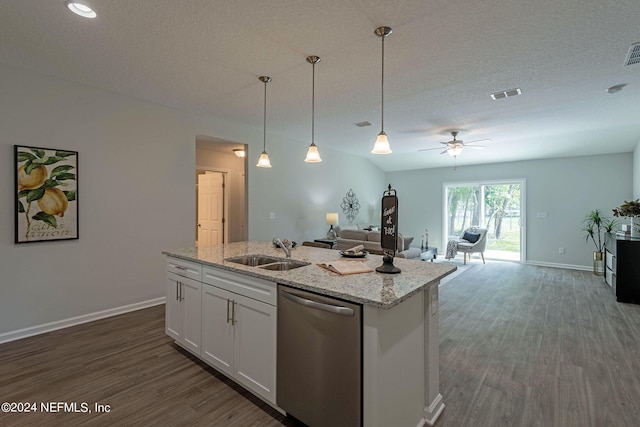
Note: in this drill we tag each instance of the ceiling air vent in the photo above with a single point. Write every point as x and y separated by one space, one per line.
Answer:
363 124
506 93
633 57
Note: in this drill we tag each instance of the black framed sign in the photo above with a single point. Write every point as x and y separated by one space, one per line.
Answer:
389 224
46 203
389 231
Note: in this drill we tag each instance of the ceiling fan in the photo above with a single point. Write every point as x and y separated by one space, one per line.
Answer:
455 146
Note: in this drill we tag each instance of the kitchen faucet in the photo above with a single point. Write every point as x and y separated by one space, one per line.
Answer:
285 244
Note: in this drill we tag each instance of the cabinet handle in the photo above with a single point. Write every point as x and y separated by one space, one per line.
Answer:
228 318
177 294
233 313
179 267
181 289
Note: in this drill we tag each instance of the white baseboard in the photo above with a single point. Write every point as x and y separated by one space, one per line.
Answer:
557 265
78 320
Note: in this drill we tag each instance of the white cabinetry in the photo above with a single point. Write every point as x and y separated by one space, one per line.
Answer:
183 305
239 329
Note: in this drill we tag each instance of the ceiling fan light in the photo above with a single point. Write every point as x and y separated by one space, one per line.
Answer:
454 151
313 156
381 145
263 161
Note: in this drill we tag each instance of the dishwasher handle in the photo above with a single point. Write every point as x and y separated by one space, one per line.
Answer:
335 309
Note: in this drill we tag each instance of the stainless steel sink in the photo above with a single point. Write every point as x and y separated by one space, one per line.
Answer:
253 260
284 265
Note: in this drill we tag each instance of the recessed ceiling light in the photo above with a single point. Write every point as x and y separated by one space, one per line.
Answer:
80 9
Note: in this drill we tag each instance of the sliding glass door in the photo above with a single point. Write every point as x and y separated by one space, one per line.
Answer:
496 206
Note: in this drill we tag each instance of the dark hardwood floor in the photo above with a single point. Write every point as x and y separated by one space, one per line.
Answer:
519 346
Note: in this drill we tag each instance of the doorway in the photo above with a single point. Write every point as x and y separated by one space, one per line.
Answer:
498 206
212 207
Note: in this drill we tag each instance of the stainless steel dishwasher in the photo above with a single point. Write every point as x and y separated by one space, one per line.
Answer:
319 359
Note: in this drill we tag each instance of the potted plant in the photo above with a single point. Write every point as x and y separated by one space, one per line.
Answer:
594 225
630 209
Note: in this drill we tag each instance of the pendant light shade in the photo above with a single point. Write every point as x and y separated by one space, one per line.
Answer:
263 161
382 143
313 156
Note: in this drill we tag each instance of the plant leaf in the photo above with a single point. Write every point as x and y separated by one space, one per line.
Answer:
45 217
53 159
23 193
29 166
71 195
35 194
58 170
65 153
22 156
50 183
40 153
66 176
20 207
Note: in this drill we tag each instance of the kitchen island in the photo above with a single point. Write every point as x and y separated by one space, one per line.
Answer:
400 362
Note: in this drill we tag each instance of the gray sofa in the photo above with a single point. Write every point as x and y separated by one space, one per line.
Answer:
348 238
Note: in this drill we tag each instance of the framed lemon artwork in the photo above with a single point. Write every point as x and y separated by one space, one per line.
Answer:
46 205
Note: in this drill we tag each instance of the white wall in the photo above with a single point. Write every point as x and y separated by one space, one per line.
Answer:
567 189
300 194
136 196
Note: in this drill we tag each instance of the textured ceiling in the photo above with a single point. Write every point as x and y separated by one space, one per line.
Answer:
443 60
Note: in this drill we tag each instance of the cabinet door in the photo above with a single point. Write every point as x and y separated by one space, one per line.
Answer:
191 300
255 346
173 312
217 328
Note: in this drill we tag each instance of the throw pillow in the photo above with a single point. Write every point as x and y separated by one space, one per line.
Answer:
407 242
471 237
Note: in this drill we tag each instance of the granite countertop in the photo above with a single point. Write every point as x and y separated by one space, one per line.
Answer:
375 289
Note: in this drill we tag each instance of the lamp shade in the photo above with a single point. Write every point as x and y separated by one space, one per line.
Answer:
313 156
263 161
332 218
382 144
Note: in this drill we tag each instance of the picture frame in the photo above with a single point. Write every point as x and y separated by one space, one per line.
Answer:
46 201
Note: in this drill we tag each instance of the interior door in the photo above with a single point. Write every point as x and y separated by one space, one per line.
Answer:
211 208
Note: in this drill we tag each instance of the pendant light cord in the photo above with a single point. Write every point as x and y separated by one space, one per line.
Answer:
382 91
264 131
313 103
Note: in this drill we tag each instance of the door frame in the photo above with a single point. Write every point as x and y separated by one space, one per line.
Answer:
226 173
470 183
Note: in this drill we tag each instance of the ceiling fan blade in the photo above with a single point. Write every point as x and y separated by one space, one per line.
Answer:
444 152
477 147
429 149
479 140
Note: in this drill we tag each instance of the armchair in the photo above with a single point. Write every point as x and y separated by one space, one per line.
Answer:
473 240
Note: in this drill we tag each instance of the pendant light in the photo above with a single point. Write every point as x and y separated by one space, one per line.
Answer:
313 156
382 143
263 161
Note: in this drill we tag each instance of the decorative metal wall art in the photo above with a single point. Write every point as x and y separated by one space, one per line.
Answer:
350 205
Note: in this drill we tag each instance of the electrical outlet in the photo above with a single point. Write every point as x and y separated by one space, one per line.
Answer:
561 250
541 214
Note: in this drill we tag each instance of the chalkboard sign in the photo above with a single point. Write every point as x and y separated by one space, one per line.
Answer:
389 226
389 231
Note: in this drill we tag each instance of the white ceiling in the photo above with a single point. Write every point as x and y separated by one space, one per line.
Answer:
443 60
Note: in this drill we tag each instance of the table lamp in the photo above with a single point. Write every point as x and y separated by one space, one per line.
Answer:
332 219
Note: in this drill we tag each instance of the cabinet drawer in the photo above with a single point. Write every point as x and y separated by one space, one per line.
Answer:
184 268
611 261
252 287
